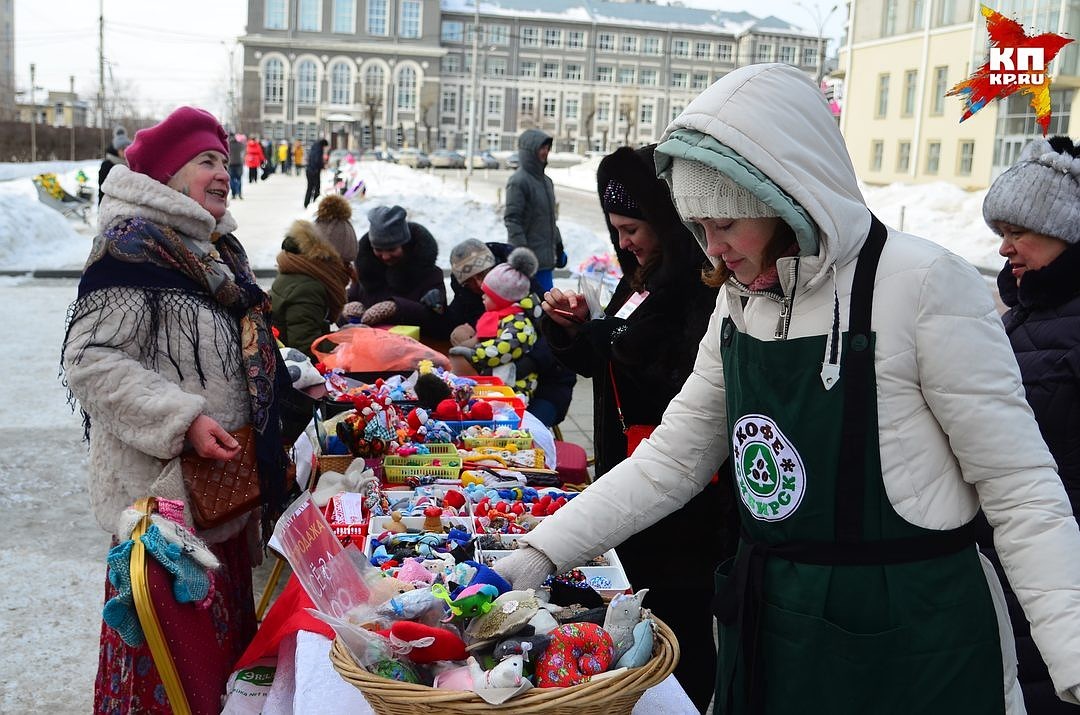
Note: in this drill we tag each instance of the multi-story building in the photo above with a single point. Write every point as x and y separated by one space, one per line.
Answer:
7 59
594 74
57 109
899 60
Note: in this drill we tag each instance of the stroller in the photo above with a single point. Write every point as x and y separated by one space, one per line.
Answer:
53 195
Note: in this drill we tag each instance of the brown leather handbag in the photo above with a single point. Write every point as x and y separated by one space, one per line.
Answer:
219 490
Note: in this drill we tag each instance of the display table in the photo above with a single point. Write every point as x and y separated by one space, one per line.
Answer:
306 682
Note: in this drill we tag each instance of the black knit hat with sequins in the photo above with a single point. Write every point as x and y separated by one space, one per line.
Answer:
617 200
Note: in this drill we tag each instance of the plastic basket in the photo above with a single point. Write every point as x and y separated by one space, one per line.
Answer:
613 695
340 462
519 442
398 469
493 391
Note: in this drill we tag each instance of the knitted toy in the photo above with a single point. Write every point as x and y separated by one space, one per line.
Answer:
623 614
412 571
471 601
530 647
577 652
639 653
424 644
507 674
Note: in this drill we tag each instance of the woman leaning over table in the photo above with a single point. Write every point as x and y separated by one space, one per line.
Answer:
168 347
861 381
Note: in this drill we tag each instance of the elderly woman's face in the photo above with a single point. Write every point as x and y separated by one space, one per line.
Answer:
205 179
1026 249
740 243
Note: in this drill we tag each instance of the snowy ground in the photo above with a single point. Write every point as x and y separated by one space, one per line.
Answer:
52 561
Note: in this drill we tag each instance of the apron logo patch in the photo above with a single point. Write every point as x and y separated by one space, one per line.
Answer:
768 470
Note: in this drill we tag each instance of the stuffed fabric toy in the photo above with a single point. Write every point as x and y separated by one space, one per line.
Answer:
577 652
424 644
641 652
509 613
623 614
301 371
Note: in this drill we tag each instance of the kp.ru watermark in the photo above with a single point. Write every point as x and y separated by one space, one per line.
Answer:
1017 65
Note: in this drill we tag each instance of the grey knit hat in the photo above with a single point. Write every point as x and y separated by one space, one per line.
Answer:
509 282
1040 192
470 257
120 139
700 191
388 227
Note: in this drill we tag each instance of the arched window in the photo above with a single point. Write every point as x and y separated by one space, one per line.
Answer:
273 81
406 91
307 79
340 79
374 83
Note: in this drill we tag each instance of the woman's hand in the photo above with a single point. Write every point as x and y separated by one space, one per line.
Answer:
566 308
211 440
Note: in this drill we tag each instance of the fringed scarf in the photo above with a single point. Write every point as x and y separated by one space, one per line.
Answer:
331 273
138 258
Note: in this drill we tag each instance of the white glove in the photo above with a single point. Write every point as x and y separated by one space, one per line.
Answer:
525 568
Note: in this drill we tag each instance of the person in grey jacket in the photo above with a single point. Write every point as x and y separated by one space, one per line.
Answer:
862 384
530 206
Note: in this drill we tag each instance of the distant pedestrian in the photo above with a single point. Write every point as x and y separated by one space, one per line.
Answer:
284 156
315 162
113 155
253 159
268 159
530 206
237 152
297 156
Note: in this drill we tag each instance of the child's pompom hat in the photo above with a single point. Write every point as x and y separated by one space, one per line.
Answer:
508 282
1040 192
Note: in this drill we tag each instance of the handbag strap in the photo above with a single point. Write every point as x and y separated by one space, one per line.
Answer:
148 618
618 402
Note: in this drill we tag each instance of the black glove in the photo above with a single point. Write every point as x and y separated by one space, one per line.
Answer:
560 257
433 300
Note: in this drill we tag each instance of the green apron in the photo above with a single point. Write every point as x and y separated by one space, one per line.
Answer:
835 604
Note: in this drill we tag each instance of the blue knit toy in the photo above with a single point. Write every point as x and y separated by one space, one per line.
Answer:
119 612
190 582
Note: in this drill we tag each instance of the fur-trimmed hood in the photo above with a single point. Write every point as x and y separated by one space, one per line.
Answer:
304 238
420 255
129 194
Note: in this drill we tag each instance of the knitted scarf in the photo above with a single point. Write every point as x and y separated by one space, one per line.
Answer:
331 273
168 271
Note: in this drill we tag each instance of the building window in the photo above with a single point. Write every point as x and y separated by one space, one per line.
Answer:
604 73
273 82
552 38
374 83
941 86
498 34
575 39
877 154
967 158
344 16
527 106
676 110
630 44
276 18
915 21
809 56
723 51
911 81
764 52
882 95
376 18
528 69
307 15
551 70
678 79
450 64
626 75
494 104
549 108
646 114
573 71
946 10
496 66
570 109
647 78
933 157
699 80
452 31
409 24
448 102
888 18
652 45
787 55
406 93
307 82
680 48
702 50
340 84
603 111
605 42
903 156
530 37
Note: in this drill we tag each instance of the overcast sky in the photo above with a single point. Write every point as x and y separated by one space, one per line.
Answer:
175 52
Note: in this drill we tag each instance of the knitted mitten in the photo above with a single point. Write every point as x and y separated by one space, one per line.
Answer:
380 313
190 582
353 309
525 568
119 612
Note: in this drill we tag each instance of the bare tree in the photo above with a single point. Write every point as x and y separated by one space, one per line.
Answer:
428 118
628 113
373 104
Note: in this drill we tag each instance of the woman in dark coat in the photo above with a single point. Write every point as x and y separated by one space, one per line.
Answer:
640 362
1035 208
398 279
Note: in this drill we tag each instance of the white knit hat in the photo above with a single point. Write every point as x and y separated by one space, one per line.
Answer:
700 191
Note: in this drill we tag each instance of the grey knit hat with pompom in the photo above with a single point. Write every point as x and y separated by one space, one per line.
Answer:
1040 192
509 282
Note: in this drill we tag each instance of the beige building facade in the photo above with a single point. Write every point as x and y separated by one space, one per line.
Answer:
899 60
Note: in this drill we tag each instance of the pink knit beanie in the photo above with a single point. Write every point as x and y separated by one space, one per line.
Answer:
161 150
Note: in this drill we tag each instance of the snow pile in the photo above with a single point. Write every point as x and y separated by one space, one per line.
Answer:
32 235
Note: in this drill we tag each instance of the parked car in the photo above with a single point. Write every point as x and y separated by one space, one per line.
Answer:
414 158
447 159
512 161
485 160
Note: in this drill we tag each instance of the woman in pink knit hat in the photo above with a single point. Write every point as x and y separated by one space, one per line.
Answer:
168 350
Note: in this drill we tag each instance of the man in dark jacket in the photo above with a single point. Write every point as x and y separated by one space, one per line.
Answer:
470 261
113 155
316 160
237 152
398 280
530 206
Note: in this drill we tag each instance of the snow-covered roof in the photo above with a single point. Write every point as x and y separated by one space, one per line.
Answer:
637 14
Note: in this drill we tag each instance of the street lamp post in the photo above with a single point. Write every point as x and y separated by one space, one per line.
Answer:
820 21
470 144
71 80
33 115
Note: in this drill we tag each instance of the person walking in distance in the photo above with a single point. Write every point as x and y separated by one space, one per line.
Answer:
530 207
316 160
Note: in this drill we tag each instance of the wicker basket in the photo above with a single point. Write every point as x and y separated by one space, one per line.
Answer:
613 695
